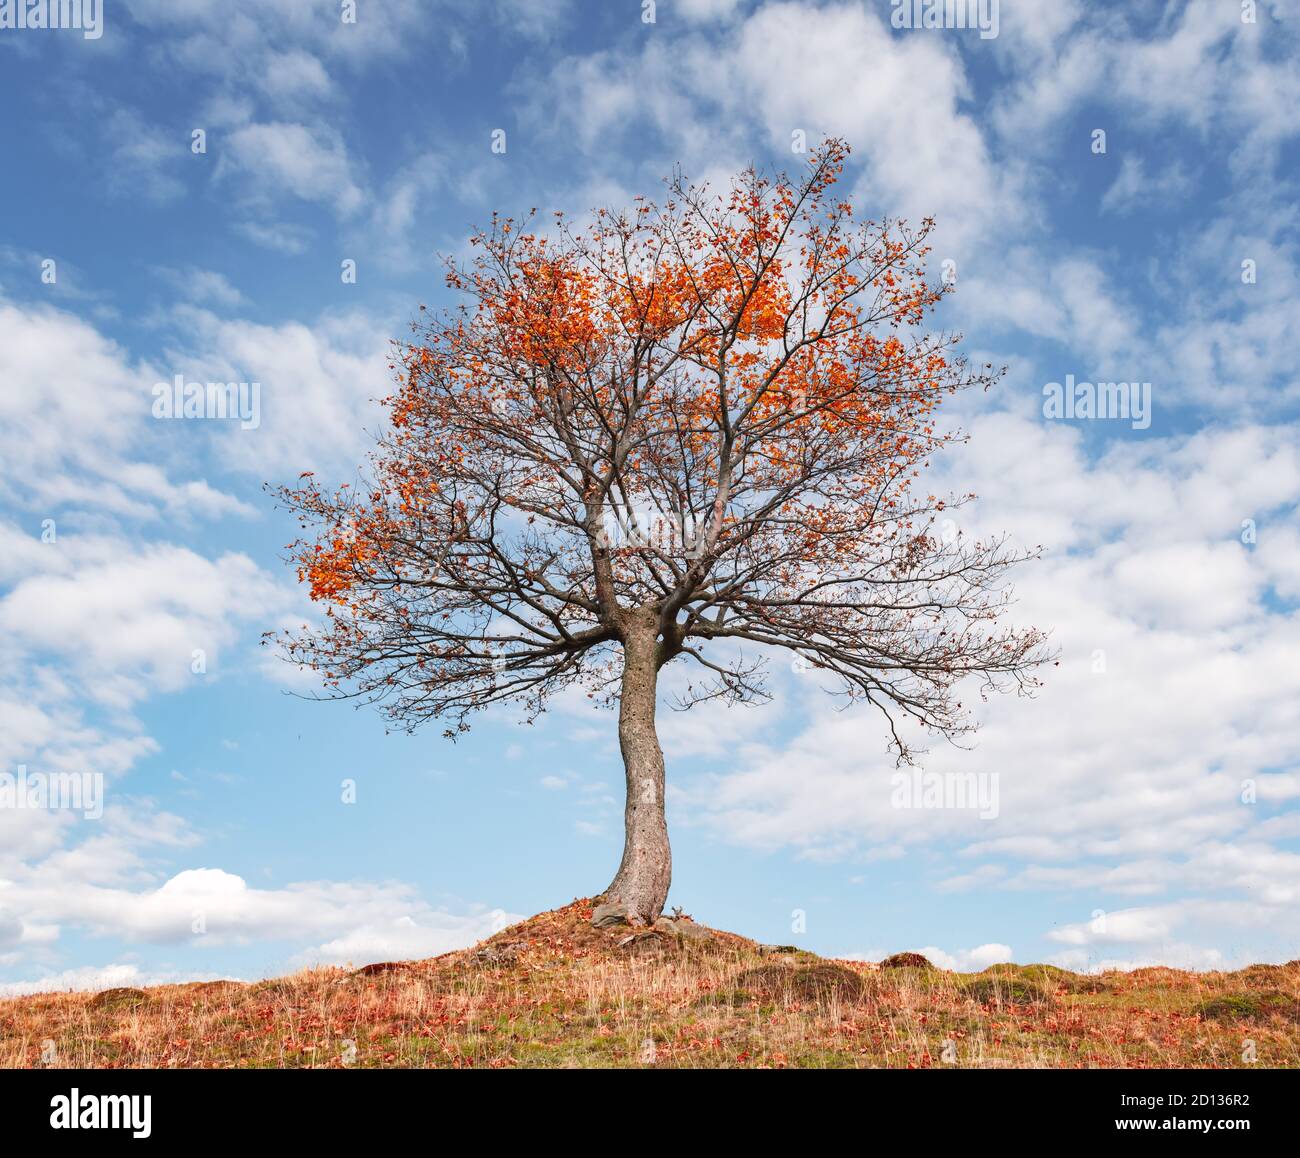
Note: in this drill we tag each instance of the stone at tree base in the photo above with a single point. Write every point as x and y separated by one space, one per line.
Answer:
607 916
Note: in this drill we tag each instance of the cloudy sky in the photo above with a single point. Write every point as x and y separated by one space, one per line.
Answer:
1146 799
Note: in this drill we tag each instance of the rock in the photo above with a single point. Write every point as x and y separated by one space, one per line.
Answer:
378 967
497 954
124 995
607 916
642 940
681 927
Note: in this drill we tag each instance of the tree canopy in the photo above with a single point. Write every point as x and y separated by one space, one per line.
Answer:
705 421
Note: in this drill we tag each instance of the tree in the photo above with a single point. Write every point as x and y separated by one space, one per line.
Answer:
680 433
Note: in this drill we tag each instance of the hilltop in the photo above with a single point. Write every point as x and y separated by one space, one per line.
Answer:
553 991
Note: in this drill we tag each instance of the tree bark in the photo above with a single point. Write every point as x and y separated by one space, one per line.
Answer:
640 887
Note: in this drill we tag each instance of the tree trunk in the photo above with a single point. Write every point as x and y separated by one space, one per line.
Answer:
640 887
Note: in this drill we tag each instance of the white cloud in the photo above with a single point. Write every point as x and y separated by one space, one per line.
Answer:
405 937
127 621
243 41
969 960
1135 188
1204 67
706 10
800 66
81 439
319 387
389 236
294 76
353 922
279 236
310 163
202 286
1126 927
145 159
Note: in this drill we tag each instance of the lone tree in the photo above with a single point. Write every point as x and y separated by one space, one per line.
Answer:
683 430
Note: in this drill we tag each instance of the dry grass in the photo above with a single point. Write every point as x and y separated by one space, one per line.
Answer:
555 992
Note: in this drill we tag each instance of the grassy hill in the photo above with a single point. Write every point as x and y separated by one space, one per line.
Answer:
554 991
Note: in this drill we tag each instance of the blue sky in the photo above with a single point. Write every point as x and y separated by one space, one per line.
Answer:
1172 567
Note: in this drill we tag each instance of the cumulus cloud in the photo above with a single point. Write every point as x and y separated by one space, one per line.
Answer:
127 621
84 438
319 387
104 885
798 67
